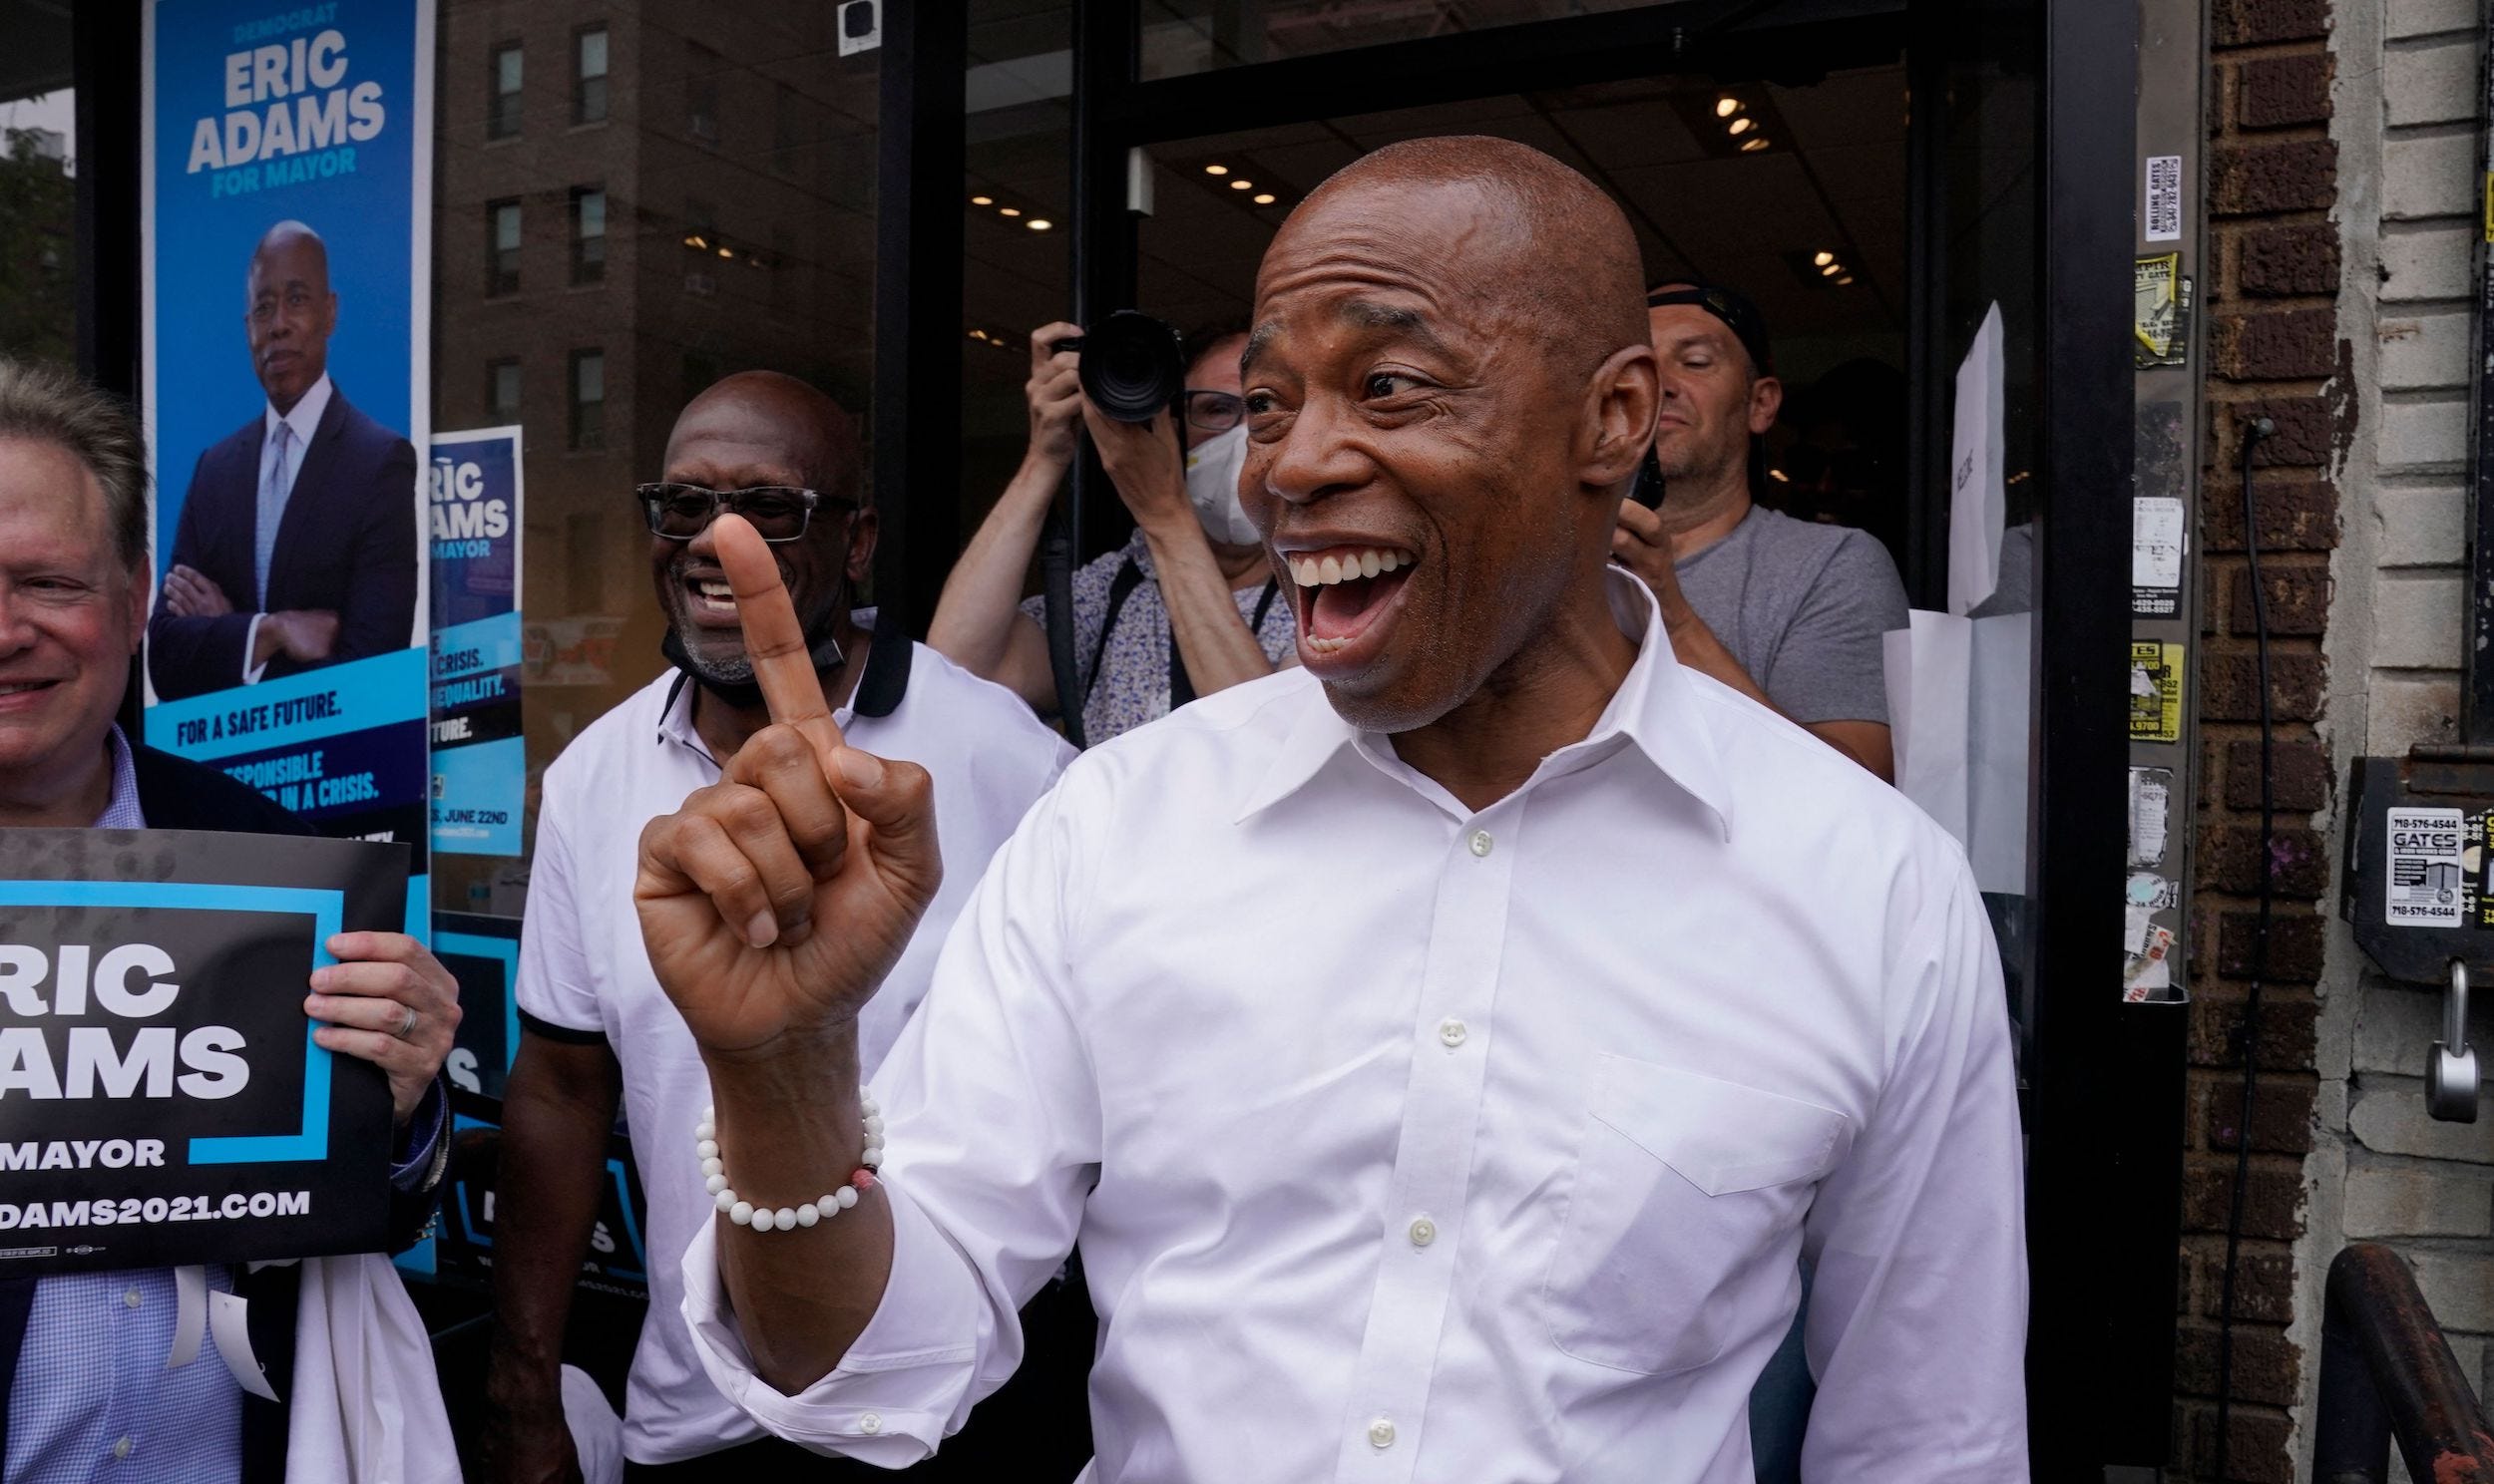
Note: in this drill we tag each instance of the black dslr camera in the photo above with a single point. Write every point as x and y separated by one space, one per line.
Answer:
1133 366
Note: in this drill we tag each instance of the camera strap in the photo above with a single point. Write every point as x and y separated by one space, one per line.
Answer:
1181 685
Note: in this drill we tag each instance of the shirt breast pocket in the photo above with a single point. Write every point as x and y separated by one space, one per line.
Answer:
1681 1184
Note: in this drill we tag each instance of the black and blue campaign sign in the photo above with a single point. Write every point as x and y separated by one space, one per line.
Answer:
618 1262
287 287
480 763
162 1099
482 955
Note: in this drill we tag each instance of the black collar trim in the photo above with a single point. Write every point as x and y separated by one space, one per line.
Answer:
889 654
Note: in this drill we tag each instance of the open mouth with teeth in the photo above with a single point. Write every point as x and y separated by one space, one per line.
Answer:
1344 591
710 598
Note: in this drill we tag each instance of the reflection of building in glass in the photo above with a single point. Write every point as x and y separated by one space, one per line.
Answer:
631 205
38 207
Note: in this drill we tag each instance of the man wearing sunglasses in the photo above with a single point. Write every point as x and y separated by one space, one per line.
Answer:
594 1027
1188 607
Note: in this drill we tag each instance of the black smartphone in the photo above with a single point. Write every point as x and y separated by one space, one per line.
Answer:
1649 486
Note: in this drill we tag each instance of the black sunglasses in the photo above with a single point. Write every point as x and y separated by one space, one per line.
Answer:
777 512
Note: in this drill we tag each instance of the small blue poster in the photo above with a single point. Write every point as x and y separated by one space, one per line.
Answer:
480 761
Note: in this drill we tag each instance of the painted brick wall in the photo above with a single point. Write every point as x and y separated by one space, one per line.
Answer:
2408 100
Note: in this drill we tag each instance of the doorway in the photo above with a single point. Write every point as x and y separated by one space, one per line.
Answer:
1905 167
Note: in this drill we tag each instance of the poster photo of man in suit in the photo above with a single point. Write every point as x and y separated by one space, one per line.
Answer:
297 542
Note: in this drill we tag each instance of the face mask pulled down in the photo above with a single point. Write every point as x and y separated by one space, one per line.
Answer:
1212 468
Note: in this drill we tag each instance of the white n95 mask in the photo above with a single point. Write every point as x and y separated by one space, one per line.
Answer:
1212 488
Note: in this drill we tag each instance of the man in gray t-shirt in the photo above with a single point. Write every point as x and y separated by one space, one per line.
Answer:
1785 612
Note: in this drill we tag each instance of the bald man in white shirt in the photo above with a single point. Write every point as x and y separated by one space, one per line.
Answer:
1587 995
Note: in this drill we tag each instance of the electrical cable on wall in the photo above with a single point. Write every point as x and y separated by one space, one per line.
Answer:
2248 1034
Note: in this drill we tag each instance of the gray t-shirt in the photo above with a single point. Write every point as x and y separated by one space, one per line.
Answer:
1801 607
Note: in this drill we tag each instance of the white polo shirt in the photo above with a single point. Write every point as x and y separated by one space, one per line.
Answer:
582 971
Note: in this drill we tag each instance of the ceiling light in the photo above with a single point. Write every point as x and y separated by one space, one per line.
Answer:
1752 146
1726 107
695 242
978 334
1242 185
1039 224
1823 258
728 252
983 200
1009 211
1741 126
1216 170
1778 476
1831 270
1848 279
1264 199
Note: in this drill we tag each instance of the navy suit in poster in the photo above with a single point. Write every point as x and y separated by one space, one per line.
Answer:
346 545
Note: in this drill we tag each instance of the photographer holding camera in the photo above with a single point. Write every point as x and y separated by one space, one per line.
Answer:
1188 607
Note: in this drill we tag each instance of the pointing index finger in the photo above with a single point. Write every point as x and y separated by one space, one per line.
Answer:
784 664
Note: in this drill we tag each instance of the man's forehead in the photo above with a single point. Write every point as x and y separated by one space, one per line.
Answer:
1687 324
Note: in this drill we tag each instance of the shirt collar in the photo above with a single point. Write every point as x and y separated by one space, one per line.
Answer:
1654 709
120 810
889 655
304 420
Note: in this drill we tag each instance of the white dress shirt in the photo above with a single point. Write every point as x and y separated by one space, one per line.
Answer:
300 424
1404 1142
584 972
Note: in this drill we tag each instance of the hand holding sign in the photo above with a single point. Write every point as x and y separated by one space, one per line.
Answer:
777 898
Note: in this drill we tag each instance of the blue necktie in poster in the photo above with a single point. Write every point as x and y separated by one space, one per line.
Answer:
286 283
480 763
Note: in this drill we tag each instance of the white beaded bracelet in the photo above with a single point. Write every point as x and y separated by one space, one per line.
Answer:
762 1218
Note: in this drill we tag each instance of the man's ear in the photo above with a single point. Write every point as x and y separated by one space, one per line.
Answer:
863 530
1622 403
1765 399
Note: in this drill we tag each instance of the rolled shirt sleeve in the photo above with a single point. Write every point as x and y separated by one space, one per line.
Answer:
1916 1328
994 1128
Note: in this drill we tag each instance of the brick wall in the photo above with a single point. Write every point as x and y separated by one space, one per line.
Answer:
2270 290
2342 199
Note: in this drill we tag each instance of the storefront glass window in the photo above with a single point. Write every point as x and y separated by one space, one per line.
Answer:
39 258
1019 95
688 192
1181 37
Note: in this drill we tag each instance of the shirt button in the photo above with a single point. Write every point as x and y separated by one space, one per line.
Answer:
1451 1032
121 1449
1481 842
130 1297
1382 1433
870 1423
1423 1232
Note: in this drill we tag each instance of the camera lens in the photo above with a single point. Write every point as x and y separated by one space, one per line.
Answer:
1132 366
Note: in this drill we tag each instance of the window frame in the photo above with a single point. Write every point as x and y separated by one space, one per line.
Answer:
591 103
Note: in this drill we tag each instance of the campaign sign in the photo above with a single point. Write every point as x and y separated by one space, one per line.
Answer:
480 764
161 1096
285 281
619 1257
482 955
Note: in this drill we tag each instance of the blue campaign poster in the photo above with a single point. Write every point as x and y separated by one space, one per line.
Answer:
480 763
286 281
